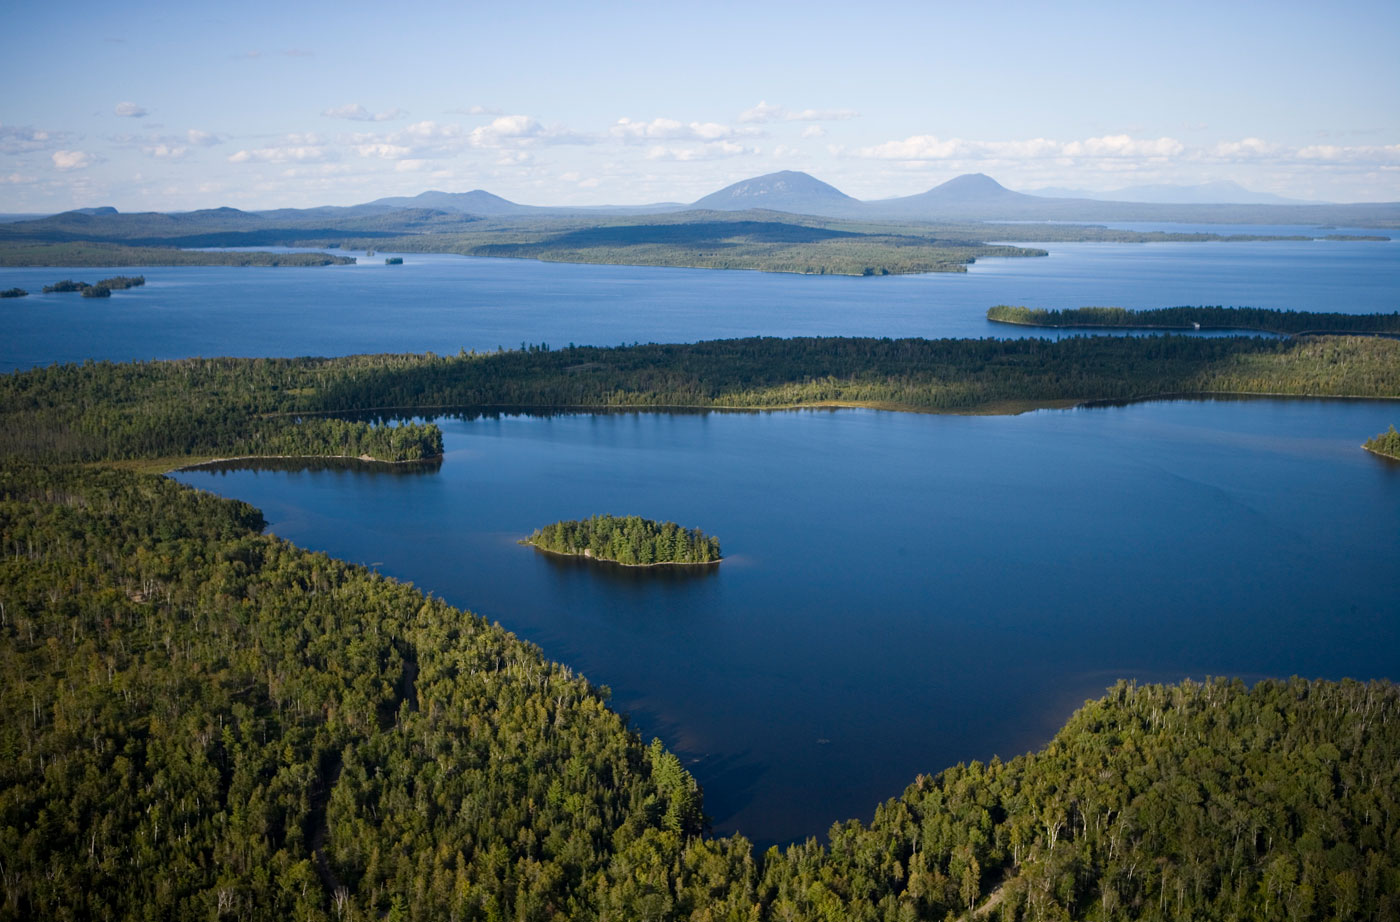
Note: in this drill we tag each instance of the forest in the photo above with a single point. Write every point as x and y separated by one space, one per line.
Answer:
629 540
188 410
199 721
1201 318
1387 443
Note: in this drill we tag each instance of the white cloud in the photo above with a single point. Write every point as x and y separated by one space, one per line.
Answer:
716 150
931 147
763 112
590 183
358 113
384 151
165 152
18 179
129 110
71 160
814 131
521 131
669 129
288 153
410 166
202 138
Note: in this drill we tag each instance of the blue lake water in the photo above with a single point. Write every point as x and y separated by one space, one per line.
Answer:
447 303
901 592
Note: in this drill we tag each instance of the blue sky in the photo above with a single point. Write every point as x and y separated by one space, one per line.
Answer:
177 106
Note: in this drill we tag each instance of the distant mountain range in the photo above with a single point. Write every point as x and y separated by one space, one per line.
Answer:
970 198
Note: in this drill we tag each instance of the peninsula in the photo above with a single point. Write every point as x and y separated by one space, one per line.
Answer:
1387 444
1264 320
628 540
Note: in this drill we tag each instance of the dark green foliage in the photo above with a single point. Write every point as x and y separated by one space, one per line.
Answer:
97 291
100 410
629 540
1387 443
1200 318
123 282
65 286
13 293
393 260
198 721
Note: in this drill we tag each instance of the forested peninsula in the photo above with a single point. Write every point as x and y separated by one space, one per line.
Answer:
1387 443
1201 318
201 721
80 254
628 540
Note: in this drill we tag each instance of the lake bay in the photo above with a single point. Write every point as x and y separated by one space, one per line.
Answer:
901 592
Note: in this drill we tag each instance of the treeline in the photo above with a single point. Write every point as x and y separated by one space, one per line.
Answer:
197 721
1202 318
103 410
1387 443
78 254
106 412
630 540
102 289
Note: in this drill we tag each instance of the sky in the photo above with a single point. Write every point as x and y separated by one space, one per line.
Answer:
178 106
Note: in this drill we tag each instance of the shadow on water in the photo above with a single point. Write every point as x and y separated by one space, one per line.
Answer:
316 465
621 575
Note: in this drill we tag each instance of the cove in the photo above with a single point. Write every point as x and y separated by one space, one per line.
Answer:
900 592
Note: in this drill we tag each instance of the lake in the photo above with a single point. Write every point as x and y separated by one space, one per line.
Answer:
448 303
900 592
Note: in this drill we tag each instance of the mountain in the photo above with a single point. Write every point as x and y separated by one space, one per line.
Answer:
1221 192
788 190
477 202
962 196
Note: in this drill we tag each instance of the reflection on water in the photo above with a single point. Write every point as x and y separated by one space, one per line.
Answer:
571 567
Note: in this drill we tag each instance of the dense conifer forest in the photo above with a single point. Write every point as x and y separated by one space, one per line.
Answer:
630 540
201 721
204 408
1200 318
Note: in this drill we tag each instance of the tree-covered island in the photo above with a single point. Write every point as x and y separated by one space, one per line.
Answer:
628 540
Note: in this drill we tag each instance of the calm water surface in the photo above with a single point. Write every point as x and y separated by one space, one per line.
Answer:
901 591
447 303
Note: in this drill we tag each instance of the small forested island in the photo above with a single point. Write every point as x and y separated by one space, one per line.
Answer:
1387 444
14 293
1200 318
65 286
122 282
393 260
628 540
